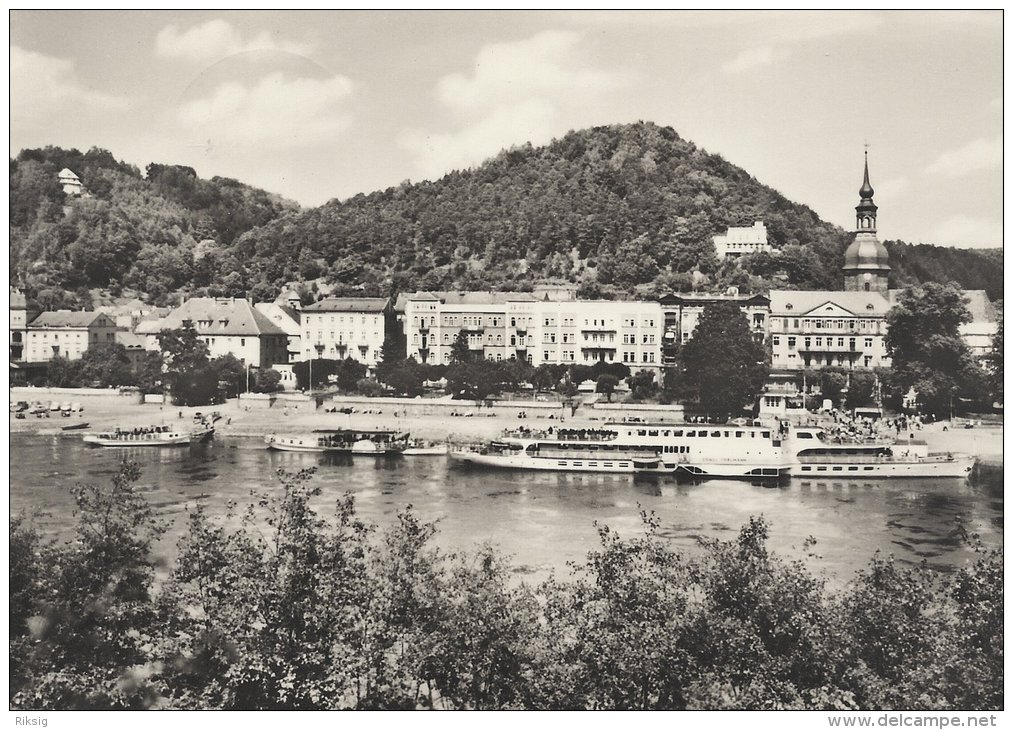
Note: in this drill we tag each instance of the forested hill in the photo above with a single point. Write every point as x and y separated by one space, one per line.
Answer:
156 232
615 208
620 210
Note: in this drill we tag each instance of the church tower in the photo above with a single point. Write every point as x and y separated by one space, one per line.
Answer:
866 262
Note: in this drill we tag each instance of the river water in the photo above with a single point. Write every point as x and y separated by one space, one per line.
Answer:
543 520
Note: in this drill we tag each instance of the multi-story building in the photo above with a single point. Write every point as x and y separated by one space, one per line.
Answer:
815 329
519 325
336 328
289 319
67 334
432 321
737 242
978 333
226 326
19 318
682 312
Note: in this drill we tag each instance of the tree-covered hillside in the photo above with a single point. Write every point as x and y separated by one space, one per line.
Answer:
970 268
155 233
611 207
620 210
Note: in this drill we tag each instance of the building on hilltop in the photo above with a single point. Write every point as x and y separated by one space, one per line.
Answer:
736 242
337 327
228 327
71 183
67 334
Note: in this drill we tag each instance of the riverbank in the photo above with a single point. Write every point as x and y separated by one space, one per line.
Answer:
478 424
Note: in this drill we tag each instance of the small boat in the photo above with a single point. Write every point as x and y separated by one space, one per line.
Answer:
340 441
425 448
146 436
76 426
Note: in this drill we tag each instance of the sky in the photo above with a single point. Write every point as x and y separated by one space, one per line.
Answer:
317 105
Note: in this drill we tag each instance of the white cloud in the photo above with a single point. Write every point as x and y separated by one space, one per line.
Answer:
891 189
276 112
751 58
217 39
967 232
981 154
522 91
43 86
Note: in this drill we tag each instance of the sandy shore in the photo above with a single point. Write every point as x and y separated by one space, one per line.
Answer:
984 442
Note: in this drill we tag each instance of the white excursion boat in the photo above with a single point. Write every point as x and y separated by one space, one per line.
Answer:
340 441
148 436
417 447
815 455
697 450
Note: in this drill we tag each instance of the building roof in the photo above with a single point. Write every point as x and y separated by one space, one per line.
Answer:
67 172
374 305
130 340
784 302
227 316
287 318
64 318
703 298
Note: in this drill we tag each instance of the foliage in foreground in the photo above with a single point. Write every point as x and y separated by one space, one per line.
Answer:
279 607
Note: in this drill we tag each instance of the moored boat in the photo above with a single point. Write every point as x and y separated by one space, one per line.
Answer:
146 436
345 440
76 426
696 450
815 455
417 447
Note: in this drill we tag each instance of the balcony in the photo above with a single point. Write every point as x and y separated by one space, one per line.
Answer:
828 347
598 328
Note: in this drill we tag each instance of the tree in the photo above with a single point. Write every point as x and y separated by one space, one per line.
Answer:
642 386
994 359
189 374
460 351
268 380
926 350
861 391
405 377
607 384
148 371
722 362
63 373
106 364
230 374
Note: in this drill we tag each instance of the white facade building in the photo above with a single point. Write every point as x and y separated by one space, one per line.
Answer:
740 241
336 328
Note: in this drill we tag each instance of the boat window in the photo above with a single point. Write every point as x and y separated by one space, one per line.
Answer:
838 468
727 434
624 463
641 432
716 434
561 463
807 468
766 434
607 463
677 433
690 434
652 433
592 463
578 463
803 435
738 434
702 434
666 432
821 468
866 468
852 468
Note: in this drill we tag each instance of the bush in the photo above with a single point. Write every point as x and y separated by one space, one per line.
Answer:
369 388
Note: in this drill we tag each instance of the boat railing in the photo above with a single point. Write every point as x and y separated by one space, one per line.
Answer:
881 459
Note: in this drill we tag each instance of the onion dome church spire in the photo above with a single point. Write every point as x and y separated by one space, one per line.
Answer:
866 262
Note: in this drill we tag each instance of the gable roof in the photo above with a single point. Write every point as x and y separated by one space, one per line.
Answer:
66 318
786 302
130 340
226 316
979 305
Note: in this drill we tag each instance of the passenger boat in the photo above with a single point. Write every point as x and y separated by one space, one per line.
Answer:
695 450
344 440
815 455
417 447
148 436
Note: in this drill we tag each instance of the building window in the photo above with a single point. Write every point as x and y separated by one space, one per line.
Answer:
775 341
868 342
791 343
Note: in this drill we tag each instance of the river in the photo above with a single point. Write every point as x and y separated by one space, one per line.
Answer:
543 520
